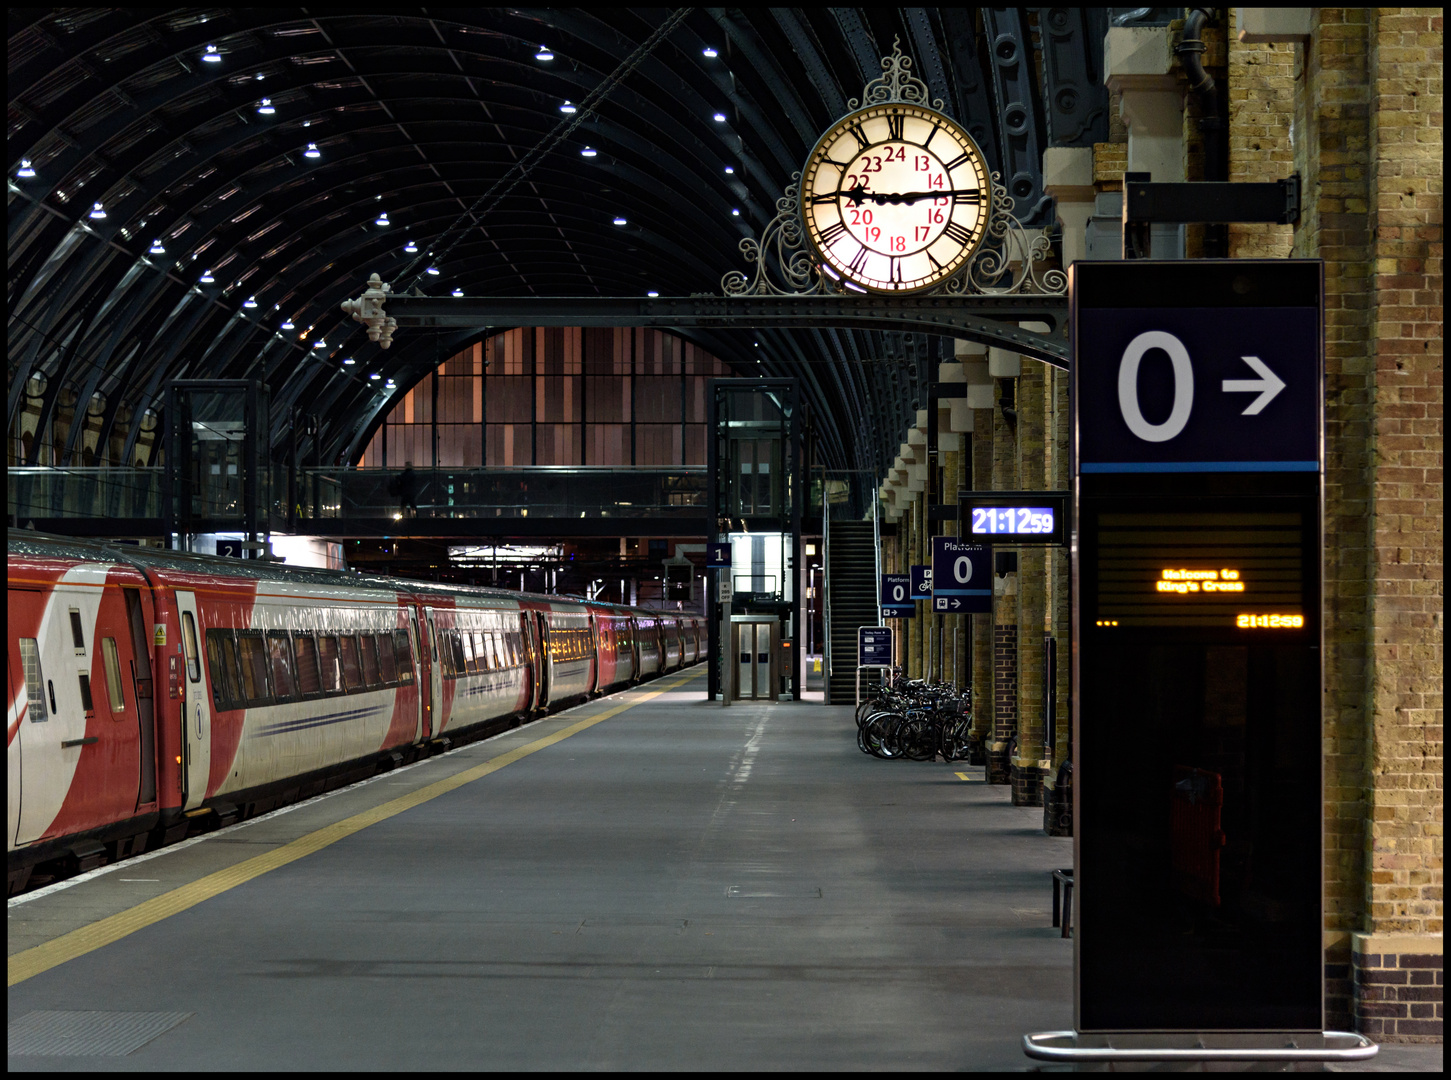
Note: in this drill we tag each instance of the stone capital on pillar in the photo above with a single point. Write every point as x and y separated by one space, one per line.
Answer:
1003 364
1139 66
1068 177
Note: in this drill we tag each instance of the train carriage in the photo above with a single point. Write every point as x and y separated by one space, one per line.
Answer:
153 693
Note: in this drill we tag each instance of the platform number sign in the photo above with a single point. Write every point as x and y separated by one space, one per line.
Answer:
896 599
961 576
1198 400
717 556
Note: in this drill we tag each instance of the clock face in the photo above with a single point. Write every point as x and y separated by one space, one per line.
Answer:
895 198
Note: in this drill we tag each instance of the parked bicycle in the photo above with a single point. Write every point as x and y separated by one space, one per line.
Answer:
916 719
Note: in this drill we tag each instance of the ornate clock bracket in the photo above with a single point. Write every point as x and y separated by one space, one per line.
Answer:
1009 260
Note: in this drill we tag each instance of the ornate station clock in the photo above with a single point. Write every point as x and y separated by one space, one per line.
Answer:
895 198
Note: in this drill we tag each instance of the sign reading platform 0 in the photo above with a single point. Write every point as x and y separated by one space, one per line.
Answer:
1198 401
896 597
962 576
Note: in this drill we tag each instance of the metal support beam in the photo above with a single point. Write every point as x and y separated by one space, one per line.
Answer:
990 320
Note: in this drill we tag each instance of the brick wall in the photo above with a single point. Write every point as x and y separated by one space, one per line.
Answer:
1261 136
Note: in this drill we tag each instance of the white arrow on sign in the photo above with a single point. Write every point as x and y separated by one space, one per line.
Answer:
1267 386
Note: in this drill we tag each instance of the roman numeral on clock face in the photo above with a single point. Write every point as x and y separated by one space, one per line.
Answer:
857 133
859 261
964 198
897 271
831 233
958 233
894 126
957 162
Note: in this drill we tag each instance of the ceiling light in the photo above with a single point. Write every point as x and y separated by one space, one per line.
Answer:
25 171
260 76
156 248
411 248
458 292
432 270
375 375
730 170
383 219
250 302
264 107
97 214
588 151
211 56
350 360
709 52
618 220
312 151
735 212
319 344
720 118
652 294
568 108
206 278
544 55
287 325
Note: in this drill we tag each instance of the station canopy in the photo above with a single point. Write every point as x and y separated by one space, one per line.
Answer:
192 192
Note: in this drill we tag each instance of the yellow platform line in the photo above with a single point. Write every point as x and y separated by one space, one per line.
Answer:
113 928
964 776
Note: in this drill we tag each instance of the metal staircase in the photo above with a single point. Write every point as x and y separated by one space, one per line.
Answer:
851 601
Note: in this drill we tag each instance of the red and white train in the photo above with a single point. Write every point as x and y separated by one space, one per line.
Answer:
154 693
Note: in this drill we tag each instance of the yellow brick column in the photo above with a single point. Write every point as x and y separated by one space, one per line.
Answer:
1027 764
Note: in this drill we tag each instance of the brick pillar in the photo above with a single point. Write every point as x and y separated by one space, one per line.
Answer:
1005 593
952 644
1027 768
1058 782
914 626
1405 533
982 624
1332 112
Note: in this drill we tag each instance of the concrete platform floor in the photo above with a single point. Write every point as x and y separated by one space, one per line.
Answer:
680 886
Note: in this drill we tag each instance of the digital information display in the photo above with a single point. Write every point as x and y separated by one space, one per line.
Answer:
1197 647
1014 517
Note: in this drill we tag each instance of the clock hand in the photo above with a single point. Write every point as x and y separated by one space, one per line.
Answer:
909 197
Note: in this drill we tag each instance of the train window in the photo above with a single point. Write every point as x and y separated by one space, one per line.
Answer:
352 673
86 702
327 655
368 654
496 651
193 654
252 652
284 669
387 660
456 650
34 682
78 636
482 653
113 675
222 656
469 664
403 651
308 681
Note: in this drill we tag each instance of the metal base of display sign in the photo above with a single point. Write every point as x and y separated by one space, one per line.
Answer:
867 667
1035 1047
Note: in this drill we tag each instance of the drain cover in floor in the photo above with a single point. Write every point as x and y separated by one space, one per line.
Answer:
69 1034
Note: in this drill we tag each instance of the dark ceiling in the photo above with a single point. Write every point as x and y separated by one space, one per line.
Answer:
421 114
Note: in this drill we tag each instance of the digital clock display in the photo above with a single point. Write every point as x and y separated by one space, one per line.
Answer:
1013 520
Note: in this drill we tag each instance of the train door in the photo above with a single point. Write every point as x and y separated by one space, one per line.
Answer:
546 662
143 686
592 683
196 708
433 712
14 716
43 775
531 661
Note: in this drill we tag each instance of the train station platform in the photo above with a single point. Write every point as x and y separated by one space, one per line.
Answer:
647 881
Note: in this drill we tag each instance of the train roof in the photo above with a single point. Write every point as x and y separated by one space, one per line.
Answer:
43 545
